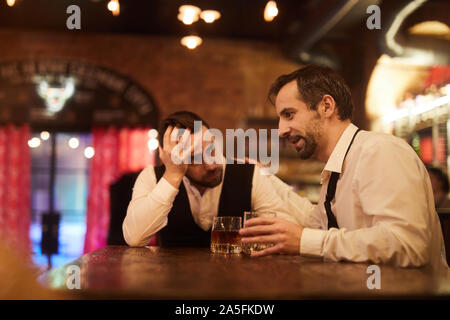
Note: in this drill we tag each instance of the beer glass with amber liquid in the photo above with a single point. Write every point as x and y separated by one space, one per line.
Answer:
225 236
248 248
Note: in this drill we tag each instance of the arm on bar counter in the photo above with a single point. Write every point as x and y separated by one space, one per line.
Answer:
152 201
386 212
376 201
147 212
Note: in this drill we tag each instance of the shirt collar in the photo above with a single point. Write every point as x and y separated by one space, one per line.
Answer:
336 160
187 184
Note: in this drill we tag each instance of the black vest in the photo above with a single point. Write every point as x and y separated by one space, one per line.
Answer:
235 198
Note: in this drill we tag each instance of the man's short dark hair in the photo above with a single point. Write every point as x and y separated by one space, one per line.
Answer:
313 82
180 119
441 176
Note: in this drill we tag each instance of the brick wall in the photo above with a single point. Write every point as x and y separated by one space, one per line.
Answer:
222 80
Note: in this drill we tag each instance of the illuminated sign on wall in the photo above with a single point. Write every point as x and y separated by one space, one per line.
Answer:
56 96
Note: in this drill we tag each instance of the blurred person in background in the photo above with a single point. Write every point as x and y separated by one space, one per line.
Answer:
440 185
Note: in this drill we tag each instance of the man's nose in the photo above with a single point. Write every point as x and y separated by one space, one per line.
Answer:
210 167
283 129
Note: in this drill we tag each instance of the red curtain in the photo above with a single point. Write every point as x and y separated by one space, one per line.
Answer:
117 151
15 173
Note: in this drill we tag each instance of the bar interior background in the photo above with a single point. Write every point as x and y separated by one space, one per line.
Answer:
79 108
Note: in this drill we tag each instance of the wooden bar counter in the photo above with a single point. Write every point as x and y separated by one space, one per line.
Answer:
195 273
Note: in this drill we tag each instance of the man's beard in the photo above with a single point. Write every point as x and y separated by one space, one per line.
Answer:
309 140
309 147
207 181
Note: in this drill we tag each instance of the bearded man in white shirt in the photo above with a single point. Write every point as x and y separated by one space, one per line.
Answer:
376 202
178 201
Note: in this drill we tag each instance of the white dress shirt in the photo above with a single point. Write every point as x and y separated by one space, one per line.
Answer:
152 202
383 205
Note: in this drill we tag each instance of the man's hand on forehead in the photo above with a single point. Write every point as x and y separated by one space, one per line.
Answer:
194 146
177 144
172 155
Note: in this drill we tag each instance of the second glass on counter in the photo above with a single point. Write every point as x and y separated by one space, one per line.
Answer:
248 248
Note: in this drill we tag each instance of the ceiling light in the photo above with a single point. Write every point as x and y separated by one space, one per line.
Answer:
188 14
191 42
209 16
114 7
89 152
11 3
270 11
152 133
153 144
74 143
45 135
34 142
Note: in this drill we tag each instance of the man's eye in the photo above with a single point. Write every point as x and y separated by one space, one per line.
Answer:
288 115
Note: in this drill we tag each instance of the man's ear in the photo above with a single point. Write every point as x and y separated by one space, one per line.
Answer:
328 106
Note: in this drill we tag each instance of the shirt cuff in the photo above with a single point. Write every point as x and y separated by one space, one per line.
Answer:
164 192
312 241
